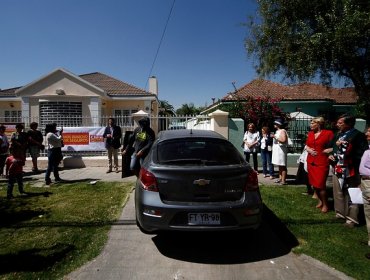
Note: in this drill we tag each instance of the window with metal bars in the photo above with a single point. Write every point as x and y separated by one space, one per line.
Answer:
63 113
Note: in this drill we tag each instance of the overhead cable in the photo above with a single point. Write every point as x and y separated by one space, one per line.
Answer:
160 42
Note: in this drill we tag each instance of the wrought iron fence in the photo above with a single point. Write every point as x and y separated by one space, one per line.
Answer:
126 123
297 130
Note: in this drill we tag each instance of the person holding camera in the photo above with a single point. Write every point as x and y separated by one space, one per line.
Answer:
54 140
348 147
35 145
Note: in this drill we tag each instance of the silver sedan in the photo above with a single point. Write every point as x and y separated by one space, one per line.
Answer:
196 180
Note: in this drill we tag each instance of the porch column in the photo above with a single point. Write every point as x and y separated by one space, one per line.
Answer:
95 111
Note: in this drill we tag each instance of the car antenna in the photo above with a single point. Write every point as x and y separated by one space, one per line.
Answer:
191 131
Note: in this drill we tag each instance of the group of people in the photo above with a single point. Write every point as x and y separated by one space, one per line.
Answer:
346 153
13 150
13 154
272 146
137 147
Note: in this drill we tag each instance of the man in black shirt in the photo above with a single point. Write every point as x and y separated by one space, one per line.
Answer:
141 140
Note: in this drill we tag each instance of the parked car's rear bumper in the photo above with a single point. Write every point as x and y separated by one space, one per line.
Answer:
152 214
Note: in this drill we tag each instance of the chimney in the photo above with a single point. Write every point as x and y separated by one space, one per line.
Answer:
153 85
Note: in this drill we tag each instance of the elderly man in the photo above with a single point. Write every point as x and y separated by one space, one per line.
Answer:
348 146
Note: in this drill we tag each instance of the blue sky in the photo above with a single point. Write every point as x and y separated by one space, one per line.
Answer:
201 54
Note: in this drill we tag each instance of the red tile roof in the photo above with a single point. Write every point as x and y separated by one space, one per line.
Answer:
303 91
111 86
10 92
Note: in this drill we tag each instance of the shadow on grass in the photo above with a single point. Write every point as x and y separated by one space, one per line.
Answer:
34 259
17 210
271 240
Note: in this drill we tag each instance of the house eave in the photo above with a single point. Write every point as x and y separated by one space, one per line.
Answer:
66 72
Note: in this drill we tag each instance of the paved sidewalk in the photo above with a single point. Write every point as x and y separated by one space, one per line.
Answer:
98 173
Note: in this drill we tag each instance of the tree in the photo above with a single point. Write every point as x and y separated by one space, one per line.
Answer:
188 109
165 108
304 39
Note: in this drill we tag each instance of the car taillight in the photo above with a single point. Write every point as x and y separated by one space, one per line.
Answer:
252 182
148 180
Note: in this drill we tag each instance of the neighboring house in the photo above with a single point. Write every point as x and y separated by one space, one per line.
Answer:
312 99
71 100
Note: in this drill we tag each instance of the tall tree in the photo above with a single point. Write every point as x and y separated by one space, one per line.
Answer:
165 108
302 39
188 109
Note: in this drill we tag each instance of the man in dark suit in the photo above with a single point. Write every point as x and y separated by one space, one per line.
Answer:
112 138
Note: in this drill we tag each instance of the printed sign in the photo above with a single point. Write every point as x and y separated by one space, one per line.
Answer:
83 139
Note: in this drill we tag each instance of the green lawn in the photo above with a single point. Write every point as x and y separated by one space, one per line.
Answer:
55 230
320 236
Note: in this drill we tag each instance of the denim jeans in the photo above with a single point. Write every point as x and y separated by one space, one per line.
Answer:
135 162
266 161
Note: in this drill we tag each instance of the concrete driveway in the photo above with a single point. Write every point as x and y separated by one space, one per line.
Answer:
261 254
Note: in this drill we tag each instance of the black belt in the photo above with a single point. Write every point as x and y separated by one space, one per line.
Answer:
365 177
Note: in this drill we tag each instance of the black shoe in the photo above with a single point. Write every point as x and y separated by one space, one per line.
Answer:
59 180
10 196
47 182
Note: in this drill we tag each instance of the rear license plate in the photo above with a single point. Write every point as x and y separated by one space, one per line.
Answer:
204 218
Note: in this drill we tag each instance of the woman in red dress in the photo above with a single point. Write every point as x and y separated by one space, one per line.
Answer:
318 148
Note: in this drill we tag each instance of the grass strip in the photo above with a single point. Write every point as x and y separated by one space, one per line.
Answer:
320 236
53 231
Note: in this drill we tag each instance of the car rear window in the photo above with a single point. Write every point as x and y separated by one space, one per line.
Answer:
198 152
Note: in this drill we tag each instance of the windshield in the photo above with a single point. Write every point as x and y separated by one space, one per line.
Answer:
198 152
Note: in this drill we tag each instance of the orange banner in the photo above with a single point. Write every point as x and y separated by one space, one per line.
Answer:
80 138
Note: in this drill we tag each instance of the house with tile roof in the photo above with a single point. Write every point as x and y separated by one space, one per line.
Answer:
77 100
312 99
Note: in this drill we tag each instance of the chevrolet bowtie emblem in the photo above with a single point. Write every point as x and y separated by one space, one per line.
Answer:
201 182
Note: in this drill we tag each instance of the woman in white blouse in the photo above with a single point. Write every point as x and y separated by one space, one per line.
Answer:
251 141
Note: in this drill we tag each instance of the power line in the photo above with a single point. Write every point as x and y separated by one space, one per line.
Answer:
160 43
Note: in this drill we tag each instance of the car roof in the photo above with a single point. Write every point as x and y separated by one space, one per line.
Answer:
188 133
